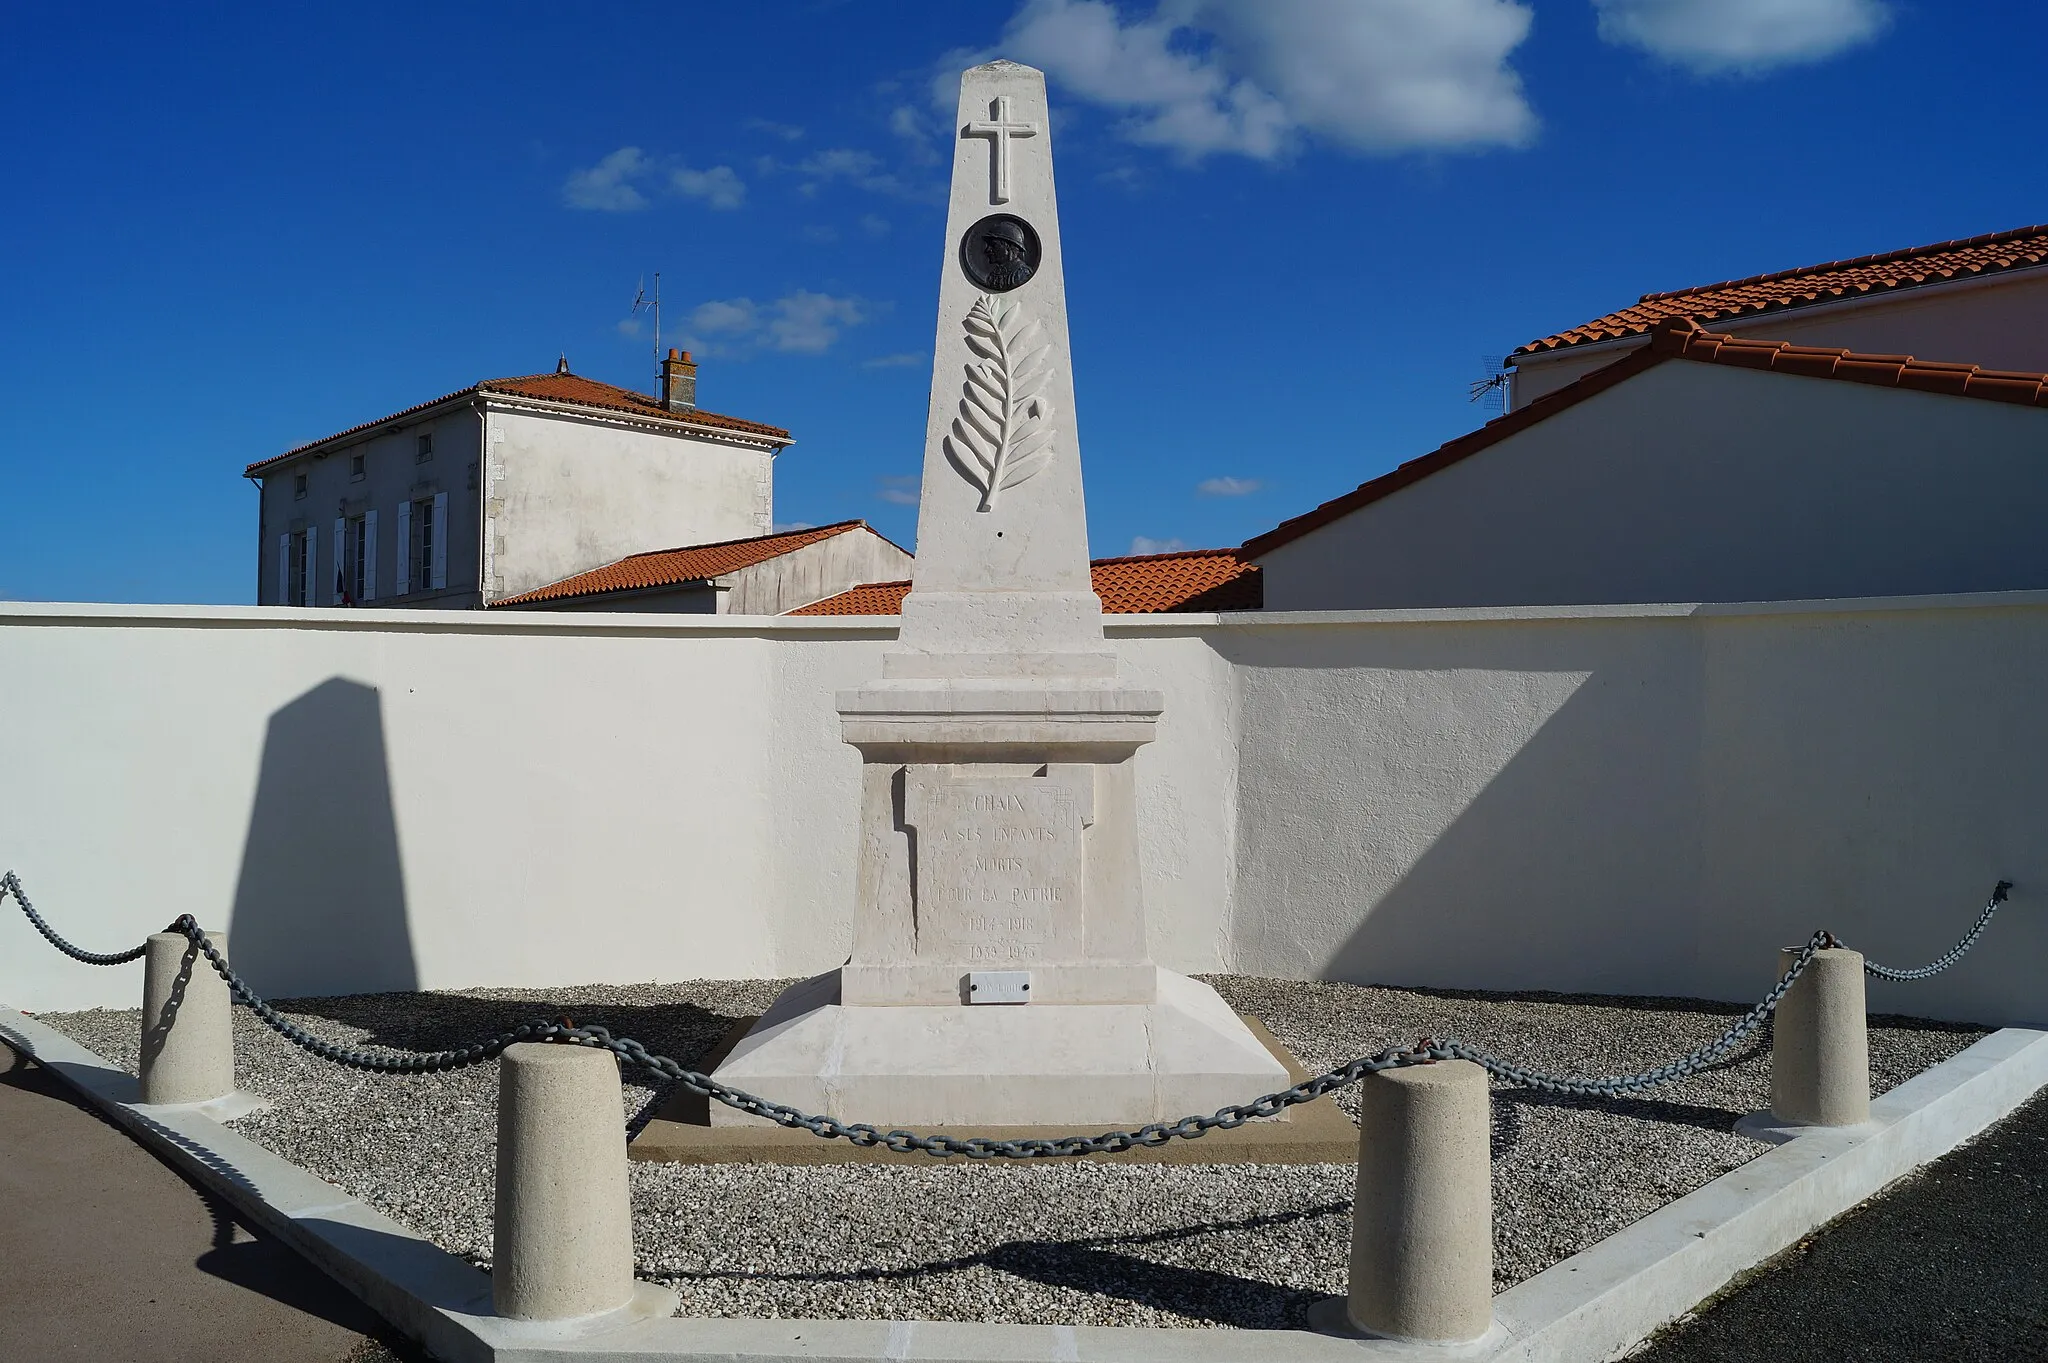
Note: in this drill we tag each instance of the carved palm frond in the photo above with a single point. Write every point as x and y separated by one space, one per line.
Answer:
1003 434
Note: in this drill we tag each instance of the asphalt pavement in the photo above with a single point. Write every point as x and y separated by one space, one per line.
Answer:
109 1255
1949 1265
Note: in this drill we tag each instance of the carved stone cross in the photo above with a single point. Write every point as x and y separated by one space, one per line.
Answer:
999 130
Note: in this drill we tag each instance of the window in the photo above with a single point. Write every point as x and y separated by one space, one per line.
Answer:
422 559
424 448
356 572
298 551
355 466
298 486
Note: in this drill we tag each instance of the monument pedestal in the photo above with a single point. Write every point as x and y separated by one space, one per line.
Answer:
999 858
1083 1067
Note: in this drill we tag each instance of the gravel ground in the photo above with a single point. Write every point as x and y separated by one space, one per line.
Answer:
1083 1243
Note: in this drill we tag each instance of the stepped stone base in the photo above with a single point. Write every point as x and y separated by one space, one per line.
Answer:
1082 1066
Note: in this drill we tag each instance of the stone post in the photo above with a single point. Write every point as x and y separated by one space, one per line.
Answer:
1820 1050
1422 1224
564 1226
188 1046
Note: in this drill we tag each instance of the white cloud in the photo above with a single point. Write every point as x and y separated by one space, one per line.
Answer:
1228 487
874 225
606 187
900 490
1717 37
920 137
719 186
801 323
1142 544
905 359
787 527
788 132
1254 77
613 184
629 326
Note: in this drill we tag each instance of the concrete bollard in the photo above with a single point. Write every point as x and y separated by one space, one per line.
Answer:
564 1227
1820 1047
188 1042
1422 1225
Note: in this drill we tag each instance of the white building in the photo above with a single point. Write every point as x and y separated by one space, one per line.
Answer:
1982 299
1700 467
409 510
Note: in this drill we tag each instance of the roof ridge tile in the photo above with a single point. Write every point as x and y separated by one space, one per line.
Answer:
1808 285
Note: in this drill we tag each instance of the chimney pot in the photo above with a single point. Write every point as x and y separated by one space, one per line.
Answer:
679 382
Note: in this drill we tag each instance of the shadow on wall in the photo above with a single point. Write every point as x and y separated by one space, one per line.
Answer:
320 906
1503 808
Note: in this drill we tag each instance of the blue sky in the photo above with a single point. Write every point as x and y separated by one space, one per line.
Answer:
1294 228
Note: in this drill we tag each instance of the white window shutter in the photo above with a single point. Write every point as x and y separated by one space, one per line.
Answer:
340 554
312 564
370 555
402 580
284 569
440 540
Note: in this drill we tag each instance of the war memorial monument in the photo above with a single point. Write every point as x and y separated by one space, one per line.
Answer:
999 973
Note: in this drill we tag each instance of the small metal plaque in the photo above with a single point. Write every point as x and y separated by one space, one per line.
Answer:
999 986
1000 252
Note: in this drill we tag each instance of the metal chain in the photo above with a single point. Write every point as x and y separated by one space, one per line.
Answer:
10 884
627 1049
1999 894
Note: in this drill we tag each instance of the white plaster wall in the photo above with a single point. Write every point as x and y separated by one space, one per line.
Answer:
1698 482
568 494
1633 799
2000 323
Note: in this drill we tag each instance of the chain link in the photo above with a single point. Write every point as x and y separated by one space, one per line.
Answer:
1999 895
632 1052
10 884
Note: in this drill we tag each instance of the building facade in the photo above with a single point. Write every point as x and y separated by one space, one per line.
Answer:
1700 468
759 575
504 487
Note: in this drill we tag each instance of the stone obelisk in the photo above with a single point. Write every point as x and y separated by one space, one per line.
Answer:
1000 975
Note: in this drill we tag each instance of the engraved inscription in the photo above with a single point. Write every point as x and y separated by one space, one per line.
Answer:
998 862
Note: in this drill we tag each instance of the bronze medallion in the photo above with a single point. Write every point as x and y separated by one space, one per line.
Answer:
1000 252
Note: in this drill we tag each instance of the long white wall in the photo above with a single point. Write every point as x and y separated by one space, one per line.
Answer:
1639 800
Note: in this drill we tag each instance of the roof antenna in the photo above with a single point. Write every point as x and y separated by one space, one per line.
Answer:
1491 390
642 300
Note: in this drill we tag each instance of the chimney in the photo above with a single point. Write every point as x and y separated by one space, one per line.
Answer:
679 381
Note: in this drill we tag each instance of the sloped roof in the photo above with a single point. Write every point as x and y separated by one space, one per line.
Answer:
1964 258
1678 339
572 389
673 567
1142 584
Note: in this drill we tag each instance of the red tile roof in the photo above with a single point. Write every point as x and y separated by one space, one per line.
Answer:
572 389
1837 279
673 567
1143 584
1677 339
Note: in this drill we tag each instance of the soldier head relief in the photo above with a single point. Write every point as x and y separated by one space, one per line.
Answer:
1000 252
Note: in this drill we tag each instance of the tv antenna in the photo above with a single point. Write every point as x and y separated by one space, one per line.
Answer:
643 299
1491 391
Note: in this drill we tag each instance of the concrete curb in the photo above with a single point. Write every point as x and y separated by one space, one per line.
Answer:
1592 1306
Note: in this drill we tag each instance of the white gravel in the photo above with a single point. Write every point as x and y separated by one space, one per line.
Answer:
1079 1243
